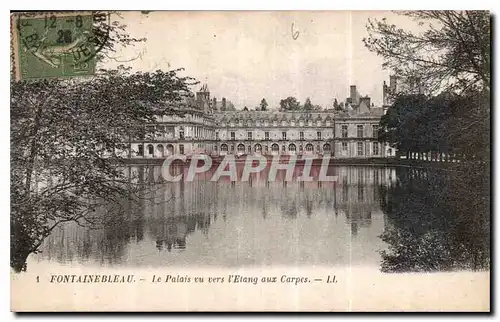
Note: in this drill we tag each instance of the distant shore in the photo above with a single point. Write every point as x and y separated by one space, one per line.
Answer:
392 161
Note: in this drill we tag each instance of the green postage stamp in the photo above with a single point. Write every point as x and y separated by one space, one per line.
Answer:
53 45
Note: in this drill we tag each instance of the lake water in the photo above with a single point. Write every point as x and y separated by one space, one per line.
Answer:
391 219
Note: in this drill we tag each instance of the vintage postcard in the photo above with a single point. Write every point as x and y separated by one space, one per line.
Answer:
304 161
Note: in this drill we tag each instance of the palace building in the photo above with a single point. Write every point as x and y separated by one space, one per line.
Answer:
207 127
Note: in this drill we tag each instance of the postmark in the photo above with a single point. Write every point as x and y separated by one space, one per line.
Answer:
56 44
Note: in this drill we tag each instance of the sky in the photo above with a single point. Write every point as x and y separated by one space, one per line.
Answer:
247 56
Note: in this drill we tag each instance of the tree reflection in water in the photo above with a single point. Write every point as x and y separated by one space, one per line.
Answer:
437 220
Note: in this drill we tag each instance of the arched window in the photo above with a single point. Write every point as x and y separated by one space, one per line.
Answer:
309 147
292 148
161 150
258 148
241 148
223 147
326 148
275 147
170 149
151 149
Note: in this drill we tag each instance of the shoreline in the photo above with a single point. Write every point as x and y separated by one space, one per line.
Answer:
382 162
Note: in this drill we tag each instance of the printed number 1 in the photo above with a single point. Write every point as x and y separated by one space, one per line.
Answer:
38 279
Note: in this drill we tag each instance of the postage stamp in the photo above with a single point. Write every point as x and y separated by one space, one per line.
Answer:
53 45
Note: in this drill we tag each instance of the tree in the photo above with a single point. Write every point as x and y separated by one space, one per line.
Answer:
308 105
336 105
451 54
289 104
448 62
447 123
230 106
67 143
263 105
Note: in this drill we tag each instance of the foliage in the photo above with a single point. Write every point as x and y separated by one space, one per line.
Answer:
308 105
289 104
230 106
451 53
337 106
447 123
292 104
66 138
263 105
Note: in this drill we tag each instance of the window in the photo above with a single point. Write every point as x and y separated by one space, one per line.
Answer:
249 149
258 148
216 135
344 131
266 148
309 148
181 134
301 136
141 150
215 148
375 148
233 136
151 149
360 148
360 131
292 148
266 135
283 134
318 135
249 135
241 148
181 148
344 146
275 148
375 131
161 150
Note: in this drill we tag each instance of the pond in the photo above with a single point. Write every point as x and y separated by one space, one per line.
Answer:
392 219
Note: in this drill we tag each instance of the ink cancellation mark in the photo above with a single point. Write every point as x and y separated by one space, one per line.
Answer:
56 44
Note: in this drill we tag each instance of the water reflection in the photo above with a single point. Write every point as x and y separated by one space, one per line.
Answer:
436 220
237 223
386 218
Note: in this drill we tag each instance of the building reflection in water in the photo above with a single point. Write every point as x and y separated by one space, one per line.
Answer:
237 223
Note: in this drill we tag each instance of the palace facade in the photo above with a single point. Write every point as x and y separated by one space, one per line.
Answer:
206 127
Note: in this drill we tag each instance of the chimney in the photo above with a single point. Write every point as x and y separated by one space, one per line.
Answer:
354 95
393 84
